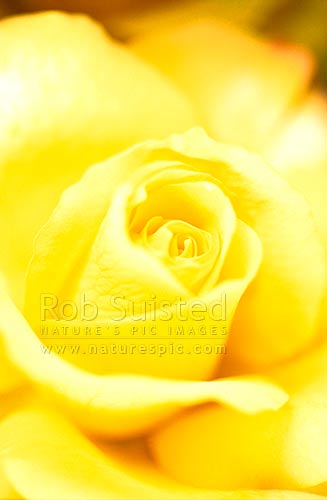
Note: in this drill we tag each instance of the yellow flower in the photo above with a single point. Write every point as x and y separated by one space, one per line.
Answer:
151 238
166 269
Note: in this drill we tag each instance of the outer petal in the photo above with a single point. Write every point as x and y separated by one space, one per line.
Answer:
122 405
228 75
299 152
139 21
98 8
45 458
13 400
6 490
142 15
65 102
283 449
9 377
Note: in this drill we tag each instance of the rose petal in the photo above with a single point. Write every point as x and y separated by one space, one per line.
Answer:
6 490
283 449
113 265
10 378
299 152
66 102
122 405
229 74
44 457
174 350
279 311
134 22
195 199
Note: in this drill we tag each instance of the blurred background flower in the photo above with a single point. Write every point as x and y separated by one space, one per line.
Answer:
299 21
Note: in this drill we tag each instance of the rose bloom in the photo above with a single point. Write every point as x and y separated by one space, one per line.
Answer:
162 265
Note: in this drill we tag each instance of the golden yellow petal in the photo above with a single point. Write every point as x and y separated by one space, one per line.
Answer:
66 102
43 456
299 152
228 74
121 405
137 21
222 448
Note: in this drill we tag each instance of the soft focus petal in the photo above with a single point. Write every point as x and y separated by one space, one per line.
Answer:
16 398
299 152
229 74
138 21
303 23
6 490
98 8
65 102
283 449
45 458
126 17
10 377
12 397
122 405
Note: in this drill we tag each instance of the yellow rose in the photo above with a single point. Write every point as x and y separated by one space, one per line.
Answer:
113 233
198 249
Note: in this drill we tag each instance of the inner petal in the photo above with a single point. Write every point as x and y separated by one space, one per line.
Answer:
175 239
188 225
184 245
185 249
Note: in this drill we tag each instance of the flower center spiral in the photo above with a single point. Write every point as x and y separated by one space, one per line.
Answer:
175 239
187 233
